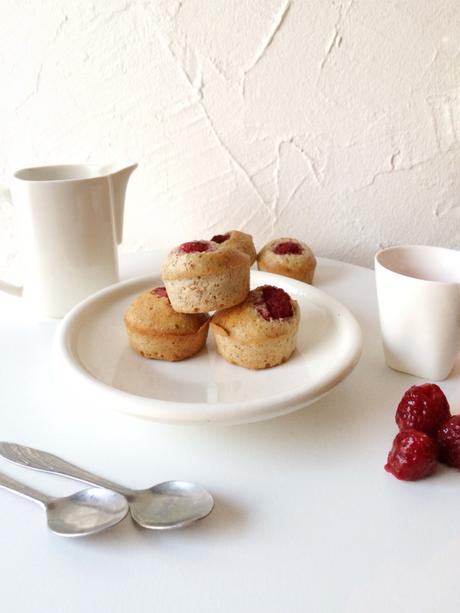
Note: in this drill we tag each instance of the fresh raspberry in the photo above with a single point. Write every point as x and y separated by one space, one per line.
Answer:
160 291
220 238
194 247
412 456
274 303
424 408
449 442
288 247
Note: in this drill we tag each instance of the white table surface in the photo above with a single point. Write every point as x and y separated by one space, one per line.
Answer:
306 519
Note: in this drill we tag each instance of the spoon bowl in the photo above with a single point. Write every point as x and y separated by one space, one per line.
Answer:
86 512
171 504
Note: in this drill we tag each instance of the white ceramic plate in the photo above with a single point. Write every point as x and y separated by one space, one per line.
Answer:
94 357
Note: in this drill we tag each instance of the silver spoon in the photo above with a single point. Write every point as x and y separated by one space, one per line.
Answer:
85 512
172 504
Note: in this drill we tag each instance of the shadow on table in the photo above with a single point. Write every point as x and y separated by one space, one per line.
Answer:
226 518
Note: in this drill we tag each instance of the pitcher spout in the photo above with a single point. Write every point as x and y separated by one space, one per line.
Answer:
118 180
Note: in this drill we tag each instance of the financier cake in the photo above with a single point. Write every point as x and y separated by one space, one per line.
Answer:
156 331
202 276
289 257
239 240
259 333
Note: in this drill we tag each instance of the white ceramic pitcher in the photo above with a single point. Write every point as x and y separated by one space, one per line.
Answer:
71 221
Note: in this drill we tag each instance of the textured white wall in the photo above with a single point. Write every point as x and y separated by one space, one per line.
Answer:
336 121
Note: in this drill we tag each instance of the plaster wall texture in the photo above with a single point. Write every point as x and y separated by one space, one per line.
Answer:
335 121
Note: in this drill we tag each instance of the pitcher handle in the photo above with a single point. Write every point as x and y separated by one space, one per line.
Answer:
9 288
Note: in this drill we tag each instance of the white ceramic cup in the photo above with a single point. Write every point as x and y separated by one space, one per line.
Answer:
70 220
418 291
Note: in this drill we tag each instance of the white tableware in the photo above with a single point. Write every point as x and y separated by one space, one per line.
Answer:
71 220
418 289
96 365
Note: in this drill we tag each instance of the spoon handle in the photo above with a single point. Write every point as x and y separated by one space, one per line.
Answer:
8 483
47 462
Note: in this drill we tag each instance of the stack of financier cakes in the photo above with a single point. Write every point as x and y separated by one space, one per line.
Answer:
254 329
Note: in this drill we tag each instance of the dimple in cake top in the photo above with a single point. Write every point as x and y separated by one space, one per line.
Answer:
220 238
273 303
202 258
288 248
195 247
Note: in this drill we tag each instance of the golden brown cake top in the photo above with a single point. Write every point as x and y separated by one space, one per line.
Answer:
238 240
201 259
152 313
268 312
288 251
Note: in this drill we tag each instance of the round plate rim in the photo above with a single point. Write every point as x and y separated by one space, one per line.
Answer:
170 411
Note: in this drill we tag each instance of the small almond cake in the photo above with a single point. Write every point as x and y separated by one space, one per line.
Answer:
202 276
259 333
156 331
239 240
288 257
